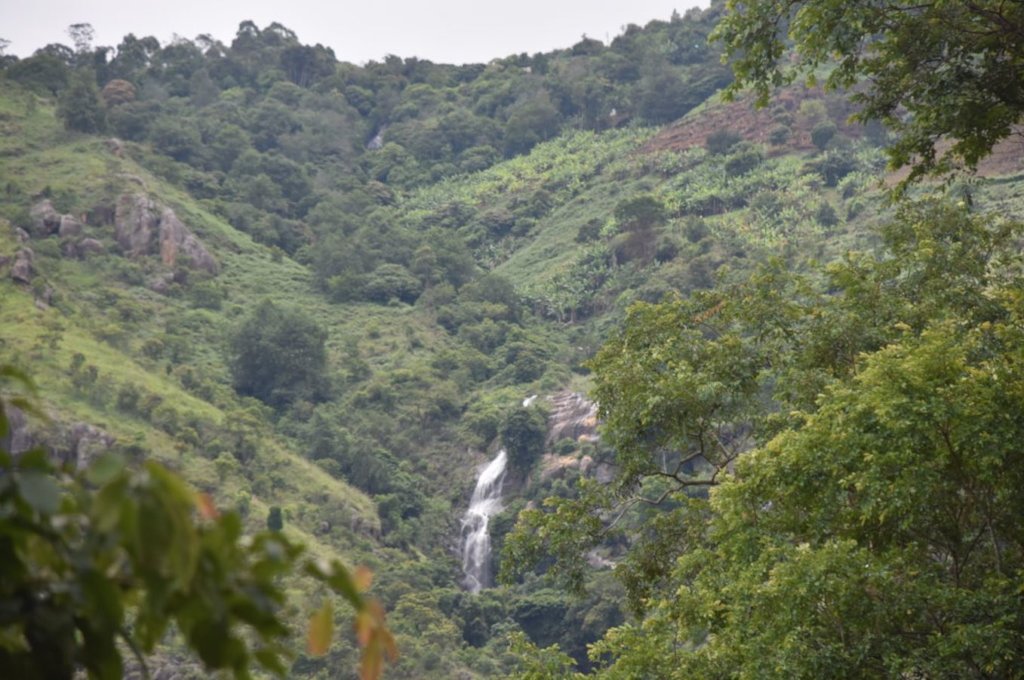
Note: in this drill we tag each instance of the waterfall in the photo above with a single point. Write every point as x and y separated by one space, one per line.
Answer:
476 542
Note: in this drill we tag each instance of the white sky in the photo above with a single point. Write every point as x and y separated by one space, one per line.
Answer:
446 31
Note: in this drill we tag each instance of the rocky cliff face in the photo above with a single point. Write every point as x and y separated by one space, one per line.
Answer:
573 417
143 227
22 270
75 444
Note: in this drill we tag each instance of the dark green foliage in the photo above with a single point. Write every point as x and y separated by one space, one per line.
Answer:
826 215
835 164
640 214
133 121
589 231
743 158
933 72
720 142
779 135
277 356
79 106
176 138
530 123
42 71
391 281
522 433
822 134
275 520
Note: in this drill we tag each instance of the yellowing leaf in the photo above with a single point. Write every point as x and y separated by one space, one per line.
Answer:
207 509
363 578
321 630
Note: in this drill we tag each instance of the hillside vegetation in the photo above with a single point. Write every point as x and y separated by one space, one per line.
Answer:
321 292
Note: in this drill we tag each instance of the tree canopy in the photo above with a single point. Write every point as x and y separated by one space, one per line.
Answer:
111 559
931 71
817 482
278 356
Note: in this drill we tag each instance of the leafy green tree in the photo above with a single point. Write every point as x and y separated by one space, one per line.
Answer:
177 138
275 520
955 68
639 217
870 511
391 281
41 70
98 563
721 141
79 106
531 123
522 432
744 158
278 356
822 134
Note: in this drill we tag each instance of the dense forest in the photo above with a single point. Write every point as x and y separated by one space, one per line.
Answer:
724 316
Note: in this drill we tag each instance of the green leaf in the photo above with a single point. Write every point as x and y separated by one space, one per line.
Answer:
103 599
40 491
104 469
35 459
270 660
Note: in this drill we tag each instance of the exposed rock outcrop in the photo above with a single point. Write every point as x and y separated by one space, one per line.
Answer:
574 417
136 224
115 146
85 247
77 444
69 227
177 240
143 227
45 219
85 443
22 270
19 438
90 246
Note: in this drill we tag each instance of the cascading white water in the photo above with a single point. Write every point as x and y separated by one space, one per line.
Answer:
476 541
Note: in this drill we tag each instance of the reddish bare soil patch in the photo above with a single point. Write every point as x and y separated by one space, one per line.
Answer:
755 125
1007 158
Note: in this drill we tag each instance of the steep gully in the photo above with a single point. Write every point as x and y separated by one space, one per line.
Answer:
572 416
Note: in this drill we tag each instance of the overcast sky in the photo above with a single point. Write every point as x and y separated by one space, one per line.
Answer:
450 31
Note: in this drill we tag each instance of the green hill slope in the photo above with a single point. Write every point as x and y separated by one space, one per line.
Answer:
444 301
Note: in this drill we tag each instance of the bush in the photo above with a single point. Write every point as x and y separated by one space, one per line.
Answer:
779 135
523 433
590 231
278 356
275 521
720 142
826 215
822 134
745 158
79 106
391 281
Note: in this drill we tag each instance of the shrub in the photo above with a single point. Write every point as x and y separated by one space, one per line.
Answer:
522 433
779 135
275 521
744 158
822 134
826 215
391 281
278 356
720 142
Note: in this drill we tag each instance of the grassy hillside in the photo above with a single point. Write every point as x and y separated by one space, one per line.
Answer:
475 291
